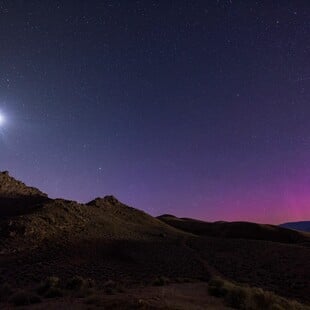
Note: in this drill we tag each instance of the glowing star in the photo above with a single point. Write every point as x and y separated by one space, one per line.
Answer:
2 119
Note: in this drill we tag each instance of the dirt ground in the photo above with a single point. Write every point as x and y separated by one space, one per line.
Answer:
187 296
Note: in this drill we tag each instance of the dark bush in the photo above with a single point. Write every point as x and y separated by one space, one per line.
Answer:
236 298
217 291
217 288
161 281
76 283
81 287
244 297
111 287
23 298
48 284
54 292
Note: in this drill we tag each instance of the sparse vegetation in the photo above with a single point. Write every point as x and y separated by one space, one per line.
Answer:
105 238
50 288
253 298
76 286
80 286
54 292
112 287
161 281
75 283
24 298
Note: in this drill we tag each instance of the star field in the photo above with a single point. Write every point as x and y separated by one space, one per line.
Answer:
195 108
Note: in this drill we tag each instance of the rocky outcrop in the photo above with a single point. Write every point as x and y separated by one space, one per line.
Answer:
16 198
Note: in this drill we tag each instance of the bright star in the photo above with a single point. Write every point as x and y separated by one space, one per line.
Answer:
2 119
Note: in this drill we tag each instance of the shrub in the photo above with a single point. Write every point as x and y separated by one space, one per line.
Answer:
52 281
217 287
216 282
236 297
244 297
90 283
23 298
76 283
80 286
261 298
112 287
49 284
54 292
160 281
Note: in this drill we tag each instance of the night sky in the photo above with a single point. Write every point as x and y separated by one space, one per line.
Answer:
196 108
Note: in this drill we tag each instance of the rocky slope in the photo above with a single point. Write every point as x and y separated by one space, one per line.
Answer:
102 239
106 239
12 188
17 198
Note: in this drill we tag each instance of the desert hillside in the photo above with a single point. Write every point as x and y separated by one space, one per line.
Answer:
244 230
56 220
106 240
103 238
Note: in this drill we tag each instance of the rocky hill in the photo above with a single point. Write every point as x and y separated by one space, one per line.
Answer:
106 239
103 238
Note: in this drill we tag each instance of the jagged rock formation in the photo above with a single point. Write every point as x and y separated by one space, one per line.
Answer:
12 188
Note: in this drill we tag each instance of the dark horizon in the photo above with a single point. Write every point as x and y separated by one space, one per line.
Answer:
194 109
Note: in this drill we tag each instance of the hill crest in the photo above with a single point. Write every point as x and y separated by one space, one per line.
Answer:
244 230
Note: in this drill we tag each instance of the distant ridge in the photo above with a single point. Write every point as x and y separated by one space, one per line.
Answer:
302 225
244 230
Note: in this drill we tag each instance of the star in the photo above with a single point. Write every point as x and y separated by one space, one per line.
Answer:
2 119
